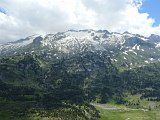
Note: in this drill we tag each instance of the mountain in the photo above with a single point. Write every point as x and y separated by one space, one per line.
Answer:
59 75
125 50
30 89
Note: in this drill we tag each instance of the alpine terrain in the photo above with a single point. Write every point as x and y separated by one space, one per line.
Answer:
80 75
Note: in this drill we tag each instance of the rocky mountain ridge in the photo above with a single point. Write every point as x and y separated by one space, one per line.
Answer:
126 49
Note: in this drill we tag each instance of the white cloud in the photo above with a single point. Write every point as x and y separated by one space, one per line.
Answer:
27 17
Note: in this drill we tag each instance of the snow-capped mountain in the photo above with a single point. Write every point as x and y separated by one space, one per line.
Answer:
125 49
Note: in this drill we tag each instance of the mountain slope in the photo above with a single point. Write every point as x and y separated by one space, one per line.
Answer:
58 75
126 50
27 91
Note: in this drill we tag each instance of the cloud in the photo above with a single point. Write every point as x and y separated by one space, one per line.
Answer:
27 17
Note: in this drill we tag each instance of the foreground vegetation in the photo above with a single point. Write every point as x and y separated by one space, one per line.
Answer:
34 88
144 110
127 114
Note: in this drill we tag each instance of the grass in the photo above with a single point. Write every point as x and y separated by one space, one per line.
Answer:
140 112
143 103
127 115
112 111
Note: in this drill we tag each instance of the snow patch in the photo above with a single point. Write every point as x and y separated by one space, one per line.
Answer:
158 45
151 59
125 52
146 61
138 47
134 47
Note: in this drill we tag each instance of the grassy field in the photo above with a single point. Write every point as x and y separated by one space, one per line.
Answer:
122 113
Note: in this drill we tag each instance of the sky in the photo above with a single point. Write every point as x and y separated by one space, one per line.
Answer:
22 18
152 7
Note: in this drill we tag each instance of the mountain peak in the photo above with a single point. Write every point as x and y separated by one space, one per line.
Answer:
74 42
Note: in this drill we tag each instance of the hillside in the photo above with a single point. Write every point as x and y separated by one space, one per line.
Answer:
125 50
59 75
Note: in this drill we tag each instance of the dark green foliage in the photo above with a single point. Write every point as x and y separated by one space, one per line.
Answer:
89 72
70 83
144 80
23 81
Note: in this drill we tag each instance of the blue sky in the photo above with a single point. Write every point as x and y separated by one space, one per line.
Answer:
152 7
2 10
